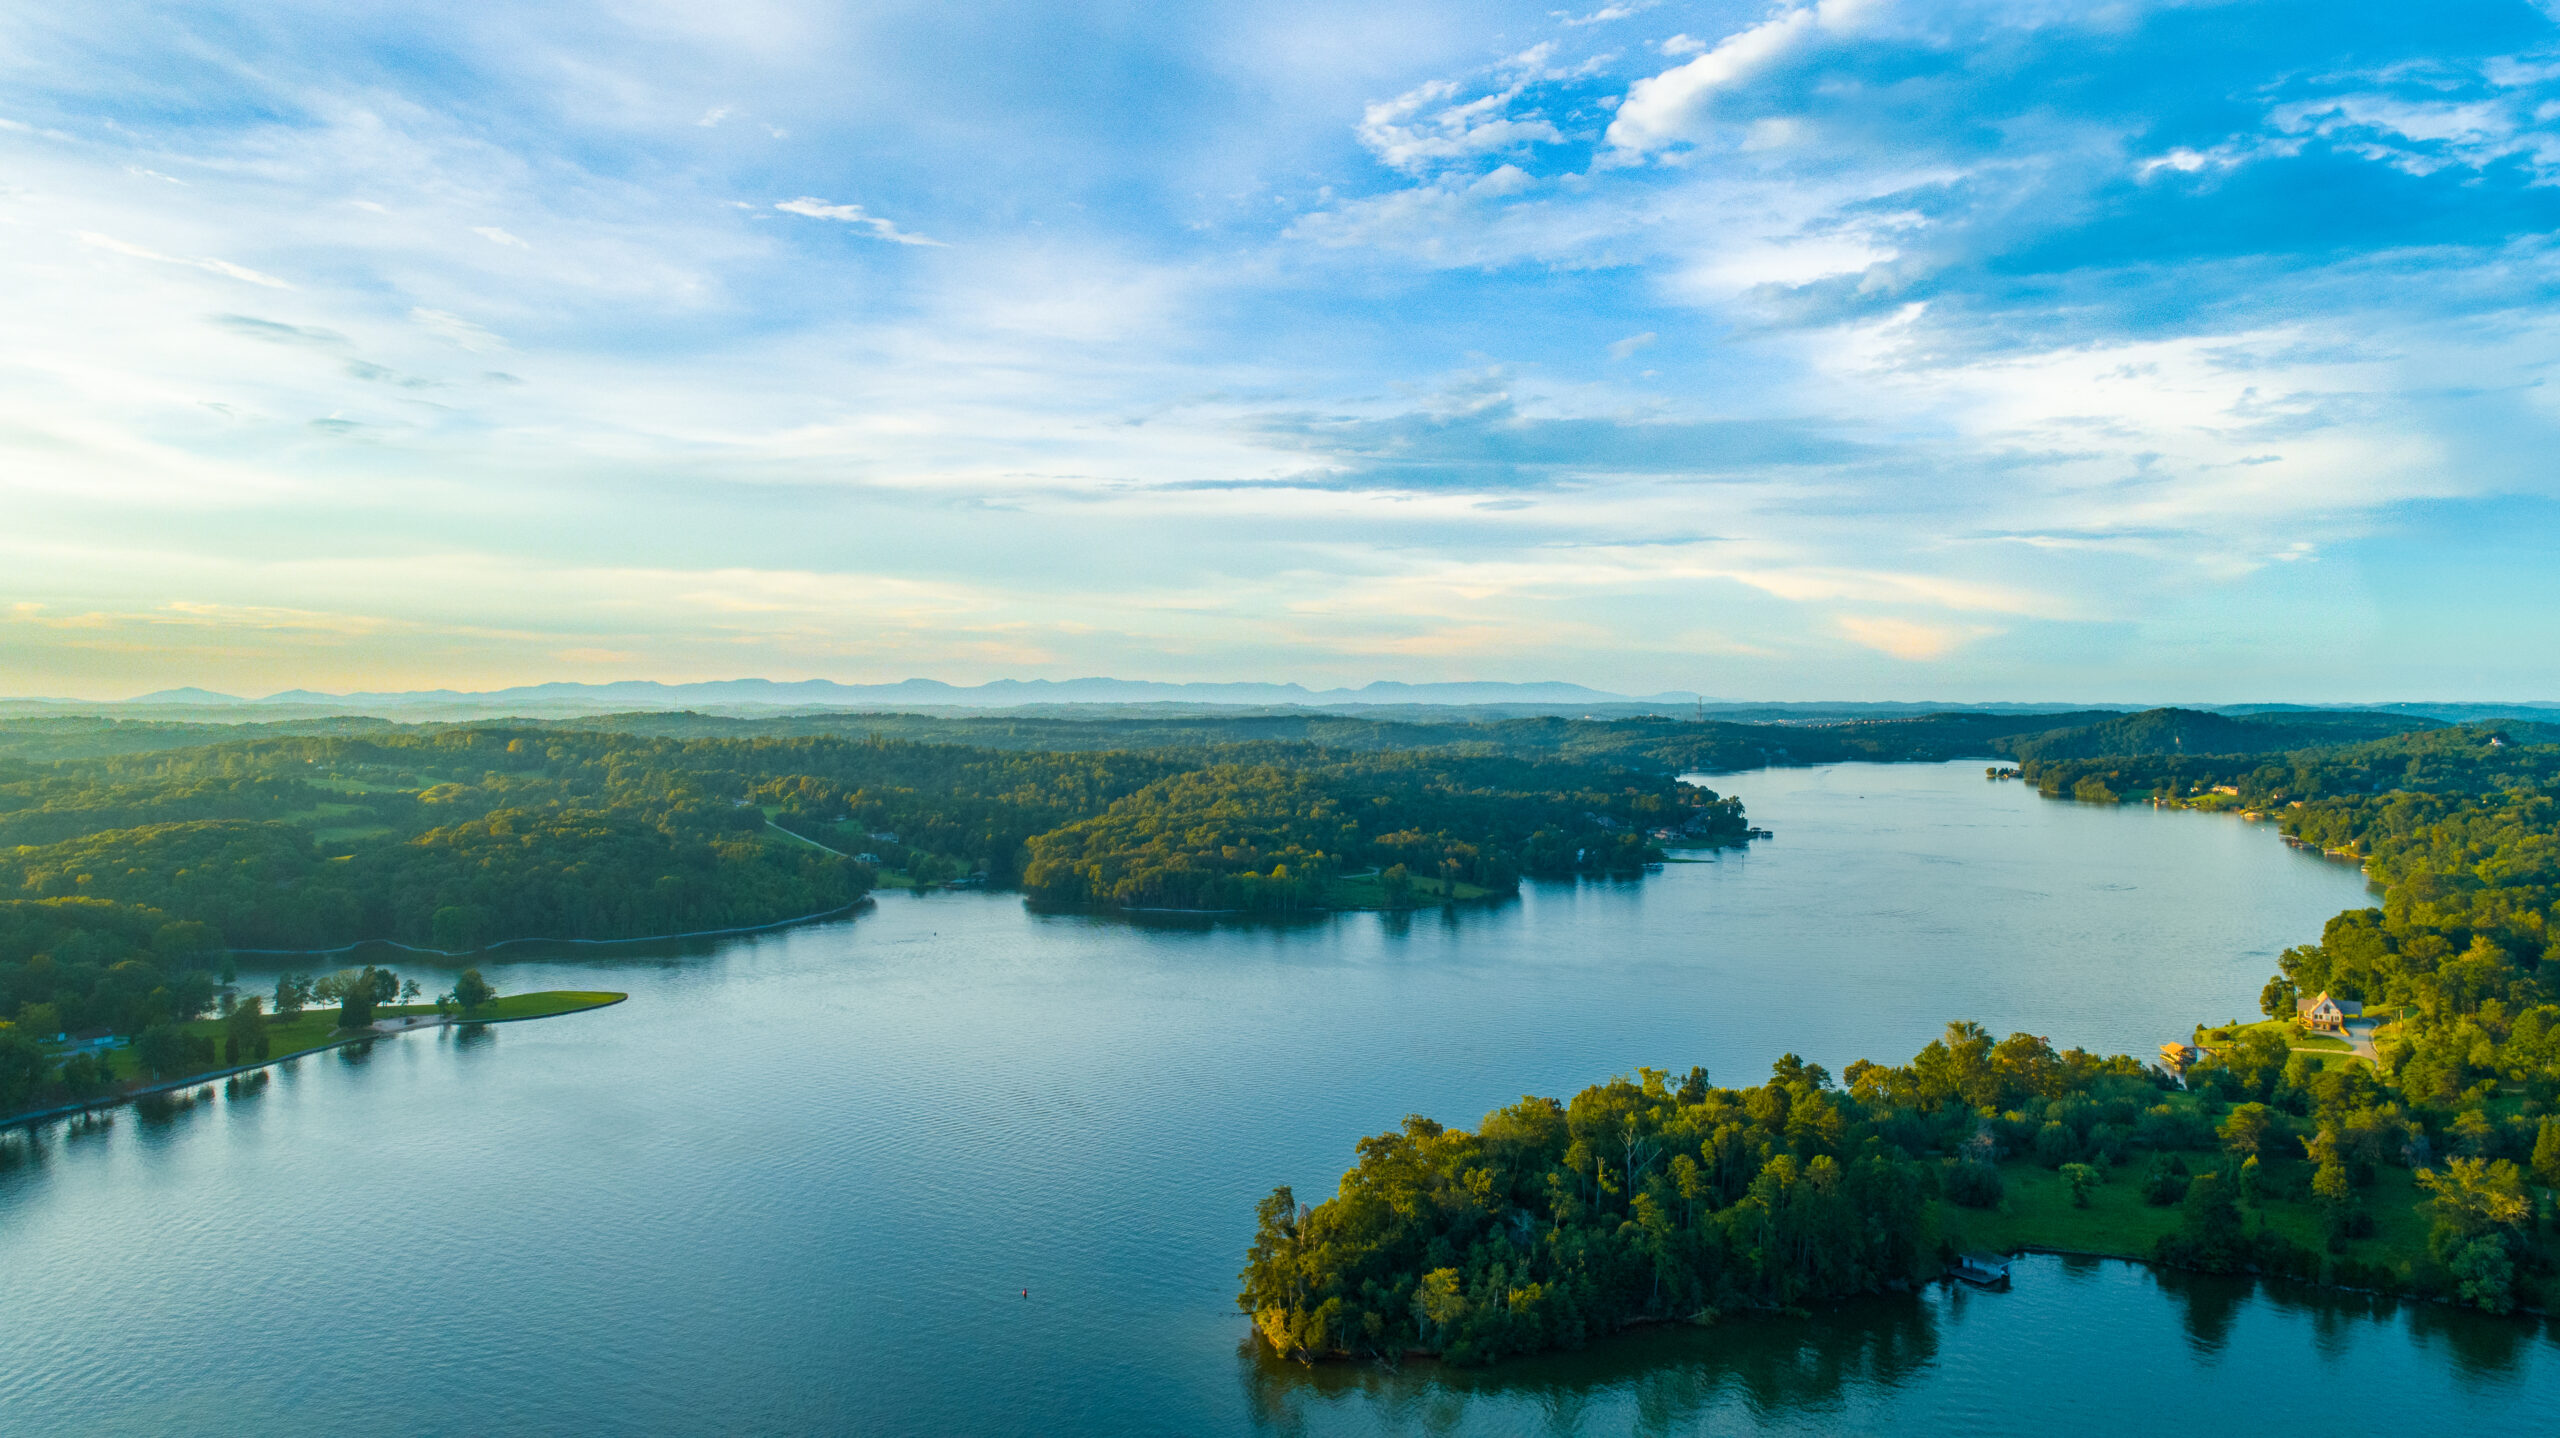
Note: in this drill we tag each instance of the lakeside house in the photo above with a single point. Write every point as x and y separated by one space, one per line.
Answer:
2325 1014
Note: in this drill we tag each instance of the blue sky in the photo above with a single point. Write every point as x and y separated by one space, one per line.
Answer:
1851 350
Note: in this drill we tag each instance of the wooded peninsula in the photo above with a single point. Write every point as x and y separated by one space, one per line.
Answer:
2427 1169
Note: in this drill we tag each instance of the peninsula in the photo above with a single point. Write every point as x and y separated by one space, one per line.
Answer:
2415 1150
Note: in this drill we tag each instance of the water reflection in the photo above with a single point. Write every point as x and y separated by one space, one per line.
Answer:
2482 1348
158 1110
2207 1307
1670 1379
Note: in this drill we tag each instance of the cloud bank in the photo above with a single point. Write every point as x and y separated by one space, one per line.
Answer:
1858 348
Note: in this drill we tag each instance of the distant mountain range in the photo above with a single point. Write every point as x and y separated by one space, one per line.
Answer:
1383 699
826 693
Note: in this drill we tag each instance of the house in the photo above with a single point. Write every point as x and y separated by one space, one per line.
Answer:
2325 1013
2175 1057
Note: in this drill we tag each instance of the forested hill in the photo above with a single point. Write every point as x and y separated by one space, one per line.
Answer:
2192 731
125 875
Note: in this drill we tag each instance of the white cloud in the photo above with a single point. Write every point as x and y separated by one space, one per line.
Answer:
1907 639
879 228
1631 344
497 236
1664 109
1606 13
1429 126
454 329
211 266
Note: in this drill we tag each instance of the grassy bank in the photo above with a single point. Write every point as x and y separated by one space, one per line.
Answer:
315 1027
2037 1212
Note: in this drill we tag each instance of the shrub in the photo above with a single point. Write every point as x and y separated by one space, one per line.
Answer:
2165 1181
1974 1184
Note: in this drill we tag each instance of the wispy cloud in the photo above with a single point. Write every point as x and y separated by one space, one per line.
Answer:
1950 346
211 266
876 226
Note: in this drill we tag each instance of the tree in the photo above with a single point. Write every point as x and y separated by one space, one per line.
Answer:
2165 1181
2476 1198
357 992
2079 1178
162 1050
1439 1302
472 991
244 1033
2209 1233
85 1074
2246 1131
293 991
2276 999
2484 1275
2546 1153
22 1069
408 991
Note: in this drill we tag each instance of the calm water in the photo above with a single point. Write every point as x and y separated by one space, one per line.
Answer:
797 1183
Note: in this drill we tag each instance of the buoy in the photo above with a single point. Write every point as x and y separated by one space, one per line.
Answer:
1026 1293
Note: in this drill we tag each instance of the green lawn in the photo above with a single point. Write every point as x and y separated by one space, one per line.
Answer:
2294 1035
2037 1213
314 1027
1367 891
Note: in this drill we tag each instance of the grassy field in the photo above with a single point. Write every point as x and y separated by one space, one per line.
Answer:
1366 891
314 1027
2038 1213
2293 1034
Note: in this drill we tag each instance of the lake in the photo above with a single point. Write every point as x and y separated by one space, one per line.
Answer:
800 1182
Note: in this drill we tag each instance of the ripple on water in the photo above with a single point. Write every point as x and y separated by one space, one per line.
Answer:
798 1182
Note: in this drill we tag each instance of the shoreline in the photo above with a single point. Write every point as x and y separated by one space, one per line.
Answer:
586 943
605 1000
1338 1358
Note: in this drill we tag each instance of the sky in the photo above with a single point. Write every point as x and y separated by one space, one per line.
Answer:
2109 352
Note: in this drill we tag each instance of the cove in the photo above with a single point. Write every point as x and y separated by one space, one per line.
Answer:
798 1182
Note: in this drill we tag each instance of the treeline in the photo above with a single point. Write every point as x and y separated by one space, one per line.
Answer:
1662 741
1261 836
1659 1199
128 872
2461 830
